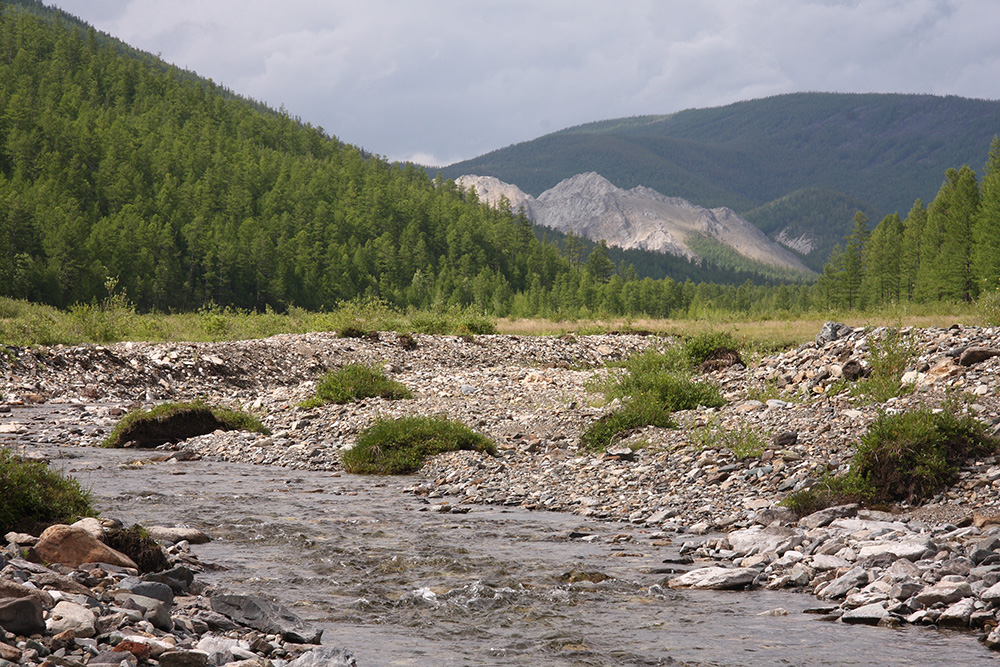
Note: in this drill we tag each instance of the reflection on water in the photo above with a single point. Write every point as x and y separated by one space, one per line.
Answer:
399 583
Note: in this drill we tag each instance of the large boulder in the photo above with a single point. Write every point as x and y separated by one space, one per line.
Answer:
74 546
832 331
270 617
324 657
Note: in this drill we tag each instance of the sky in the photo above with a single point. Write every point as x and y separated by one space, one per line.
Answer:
439 81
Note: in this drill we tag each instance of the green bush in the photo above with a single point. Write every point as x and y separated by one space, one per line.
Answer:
742 442
711 345
136 543
355 382
912 455
902 457
636 413
172 422
399 446
32 497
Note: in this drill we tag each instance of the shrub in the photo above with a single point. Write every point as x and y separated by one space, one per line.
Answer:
742 442
399 446
633 415
172 422
903 457
32 497
355 382
912 455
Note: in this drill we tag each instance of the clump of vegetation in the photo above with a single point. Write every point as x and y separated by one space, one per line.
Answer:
666 377
903 457
712 346
355 382
634 414
33 497
400 446
743 442
891 354
172 422
136 543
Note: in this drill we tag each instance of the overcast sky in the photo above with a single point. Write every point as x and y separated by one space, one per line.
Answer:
437 81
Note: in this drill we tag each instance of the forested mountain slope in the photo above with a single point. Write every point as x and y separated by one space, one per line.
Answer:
124 167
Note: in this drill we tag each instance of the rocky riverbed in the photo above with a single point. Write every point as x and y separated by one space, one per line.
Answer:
937 564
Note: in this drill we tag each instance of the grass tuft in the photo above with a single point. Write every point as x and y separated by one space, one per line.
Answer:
400 446
33 497
172 422
136 543
353 383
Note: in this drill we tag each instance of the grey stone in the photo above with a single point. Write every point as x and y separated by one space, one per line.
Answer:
943 591
175 534
843 584
826 516
958 614
324 657
262 614
763 540
991 594
832 331
68 615
116 658
715 578
869 614
155 611
974 355
178 578
910 550
22 616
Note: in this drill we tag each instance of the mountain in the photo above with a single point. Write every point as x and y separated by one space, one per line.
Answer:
641 219
881 151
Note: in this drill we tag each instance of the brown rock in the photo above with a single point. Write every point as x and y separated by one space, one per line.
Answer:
183 659
975 355
12 589
8 652
75 546
140 650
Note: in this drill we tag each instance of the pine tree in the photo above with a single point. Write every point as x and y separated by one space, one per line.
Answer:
882 279
909 261
854 260
957 282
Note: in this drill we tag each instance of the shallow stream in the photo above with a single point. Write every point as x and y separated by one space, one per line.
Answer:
398 582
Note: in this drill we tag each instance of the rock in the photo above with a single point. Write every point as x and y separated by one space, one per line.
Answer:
179 579
715 578
175 534
823 562
826 516
12 589
832 331
74 546
324 657
843 584
155 611
262 614
183 659
71 616
763 540
958 614
11 653
974 355
92 526
869 614
149 589
944 591
221 650
991 594
22 616
908 550
113 658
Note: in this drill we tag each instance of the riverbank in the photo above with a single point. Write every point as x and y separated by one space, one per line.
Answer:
531 395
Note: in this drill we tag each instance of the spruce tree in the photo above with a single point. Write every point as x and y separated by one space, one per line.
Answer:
909 261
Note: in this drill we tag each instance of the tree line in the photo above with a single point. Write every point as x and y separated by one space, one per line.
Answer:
946 251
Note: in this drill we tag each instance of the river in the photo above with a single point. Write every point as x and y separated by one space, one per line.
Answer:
395 580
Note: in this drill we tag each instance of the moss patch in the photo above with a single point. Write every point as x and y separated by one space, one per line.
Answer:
173 422
400 446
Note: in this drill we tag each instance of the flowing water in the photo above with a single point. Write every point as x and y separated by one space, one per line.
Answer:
397 582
